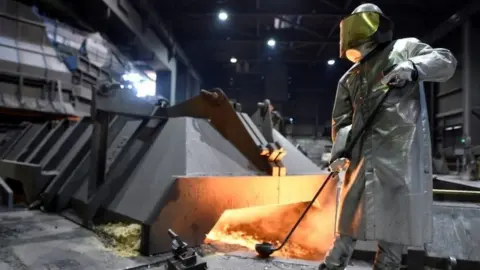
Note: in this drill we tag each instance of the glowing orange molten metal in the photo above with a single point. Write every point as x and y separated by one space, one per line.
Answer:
249 226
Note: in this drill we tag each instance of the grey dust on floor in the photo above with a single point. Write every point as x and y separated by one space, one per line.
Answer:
33 240
248 261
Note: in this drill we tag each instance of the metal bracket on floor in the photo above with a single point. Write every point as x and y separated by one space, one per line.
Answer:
6 194
184 257
418 260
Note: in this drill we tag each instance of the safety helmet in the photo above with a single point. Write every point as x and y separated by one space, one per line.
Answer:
366 24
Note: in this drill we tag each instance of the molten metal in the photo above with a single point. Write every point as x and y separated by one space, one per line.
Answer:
249 226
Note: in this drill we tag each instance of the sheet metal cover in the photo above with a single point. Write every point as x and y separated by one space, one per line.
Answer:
24 47
185 147
295 161
456 231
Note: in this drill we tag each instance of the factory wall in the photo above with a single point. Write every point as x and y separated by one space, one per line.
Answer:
449 105
167 59
187 86
308 105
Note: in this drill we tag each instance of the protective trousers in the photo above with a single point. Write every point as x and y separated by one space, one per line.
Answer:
389 256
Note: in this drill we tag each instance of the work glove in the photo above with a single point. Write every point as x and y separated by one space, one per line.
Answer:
339 165
400 74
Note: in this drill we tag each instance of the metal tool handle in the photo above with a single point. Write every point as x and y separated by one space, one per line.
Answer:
366 124
329 177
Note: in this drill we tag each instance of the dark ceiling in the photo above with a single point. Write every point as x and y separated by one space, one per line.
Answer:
312 38
306 46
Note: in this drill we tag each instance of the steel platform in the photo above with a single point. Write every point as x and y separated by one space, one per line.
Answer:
456 181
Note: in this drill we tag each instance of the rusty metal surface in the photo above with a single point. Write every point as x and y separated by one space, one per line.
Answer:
204 199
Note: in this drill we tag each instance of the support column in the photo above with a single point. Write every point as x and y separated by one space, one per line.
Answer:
466 80
276 84
194 86
173 82
164 84
182 83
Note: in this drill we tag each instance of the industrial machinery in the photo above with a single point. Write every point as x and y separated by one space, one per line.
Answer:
184 257
161 158
104 155
181 168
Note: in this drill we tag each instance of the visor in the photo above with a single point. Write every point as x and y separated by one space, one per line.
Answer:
357 29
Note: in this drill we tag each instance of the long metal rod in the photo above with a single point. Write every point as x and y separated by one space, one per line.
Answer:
456 192
466 88
466 77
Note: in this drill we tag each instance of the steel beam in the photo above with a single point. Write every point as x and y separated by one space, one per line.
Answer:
156 22
305 37
452 22
274 58
136 23
141 28
263 40
395 12
267 14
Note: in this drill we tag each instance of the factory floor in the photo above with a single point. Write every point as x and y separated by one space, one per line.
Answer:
33 240
247 261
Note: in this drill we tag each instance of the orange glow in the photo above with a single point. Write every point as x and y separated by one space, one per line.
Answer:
353 55
249 226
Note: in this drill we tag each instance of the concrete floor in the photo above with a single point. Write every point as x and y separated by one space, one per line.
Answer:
247 261
33 240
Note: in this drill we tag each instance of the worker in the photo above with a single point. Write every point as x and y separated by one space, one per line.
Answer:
386 193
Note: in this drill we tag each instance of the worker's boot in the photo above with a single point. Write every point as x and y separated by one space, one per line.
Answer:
322 266
389 256
339 255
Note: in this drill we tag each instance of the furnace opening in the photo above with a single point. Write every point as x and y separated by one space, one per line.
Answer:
249 226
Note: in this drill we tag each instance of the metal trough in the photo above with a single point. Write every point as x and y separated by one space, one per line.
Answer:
178 167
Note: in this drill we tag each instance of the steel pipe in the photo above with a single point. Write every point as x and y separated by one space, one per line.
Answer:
455 192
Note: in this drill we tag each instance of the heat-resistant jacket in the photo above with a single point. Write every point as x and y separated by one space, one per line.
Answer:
387 190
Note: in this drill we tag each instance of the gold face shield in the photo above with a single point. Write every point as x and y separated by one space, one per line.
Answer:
357 29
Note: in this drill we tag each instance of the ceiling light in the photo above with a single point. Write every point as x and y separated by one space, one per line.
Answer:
331 62
233 60
271 42
223 16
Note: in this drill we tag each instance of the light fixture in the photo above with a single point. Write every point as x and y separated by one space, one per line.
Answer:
271 43
143 85
222 16
151 74
331 62
233 60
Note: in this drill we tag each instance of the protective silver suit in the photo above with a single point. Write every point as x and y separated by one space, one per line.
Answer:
387 190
